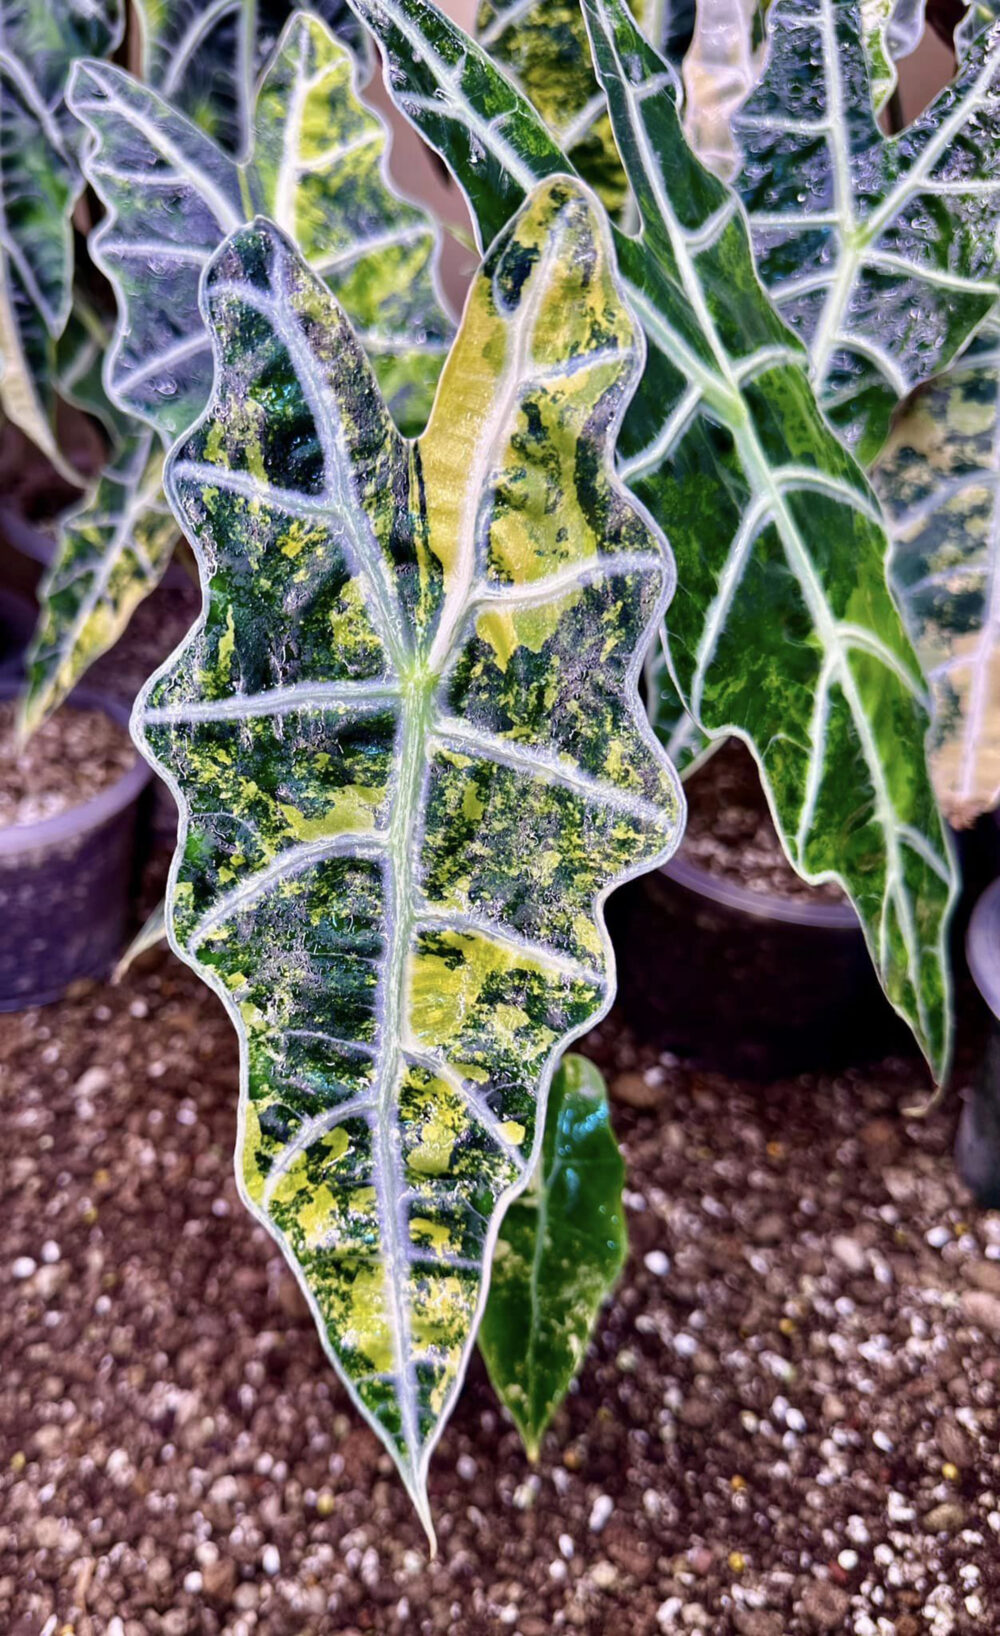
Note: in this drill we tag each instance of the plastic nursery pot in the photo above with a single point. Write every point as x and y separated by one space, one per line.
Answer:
64 883
747 982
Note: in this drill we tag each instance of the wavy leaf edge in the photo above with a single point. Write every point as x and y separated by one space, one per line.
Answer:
637 715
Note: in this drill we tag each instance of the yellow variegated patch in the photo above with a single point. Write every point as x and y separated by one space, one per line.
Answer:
396 838
316 165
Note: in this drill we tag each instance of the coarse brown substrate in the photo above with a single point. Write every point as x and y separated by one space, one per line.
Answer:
791 1404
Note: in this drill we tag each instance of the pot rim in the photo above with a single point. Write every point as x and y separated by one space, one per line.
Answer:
823 916
97 809
982 946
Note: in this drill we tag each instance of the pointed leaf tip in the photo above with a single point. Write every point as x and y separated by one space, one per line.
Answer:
411 765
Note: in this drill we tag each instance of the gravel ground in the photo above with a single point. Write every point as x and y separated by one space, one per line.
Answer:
788 1422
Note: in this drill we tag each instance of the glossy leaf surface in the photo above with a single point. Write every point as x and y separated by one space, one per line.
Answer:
411 761
879 251
784 631
205 59
561 1247
544 48
317 168
39 185
112 552
938 478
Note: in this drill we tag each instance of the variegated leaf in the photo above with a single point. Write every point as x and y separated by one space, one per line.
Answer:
205 59
39 185
317 168
542 44
112 552
561 1247
881 252
410 759
938 478
80 353
785 631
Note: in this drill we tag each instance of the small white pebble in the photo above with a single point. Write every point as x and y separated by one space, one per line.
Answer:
138 1008
938 1237
685 1345
848 1560
604 1575
668 1613
857 1531
557 1570
270 1560
657 1263
187 1114
466 1467
115 1627
23 1267
600 1511
882 1441
566 1546
192 1582
50 1252
220 1207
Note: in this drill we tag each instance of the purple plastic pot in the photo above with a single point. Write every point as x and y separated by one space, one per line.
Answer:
65 883
747 982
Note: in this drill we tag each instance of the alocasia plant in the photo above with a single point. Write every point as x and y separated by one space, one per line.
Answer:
785 631
317 166
939 480
561 1247
411 762
40 182
881 252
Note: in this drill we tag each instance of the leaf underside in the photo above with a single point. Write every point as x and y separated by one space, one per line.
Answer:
938 479
561 1247
410 759
318 166
879 251
785 632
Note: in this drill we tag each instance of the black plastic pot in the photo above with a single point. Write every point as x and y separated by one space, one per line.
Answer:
65 884
747 982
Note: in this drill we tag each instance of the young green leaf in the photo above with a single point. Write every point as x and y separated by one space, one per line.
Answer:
881 252
39 185
544 49
938 478
204 59
786 632
561 1247
407 747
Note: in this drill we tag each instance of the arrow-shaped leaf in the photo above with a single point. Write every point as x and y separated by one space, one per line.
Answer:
561 1247
318 166
939 480
879 251
411 762
204 59
784 630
